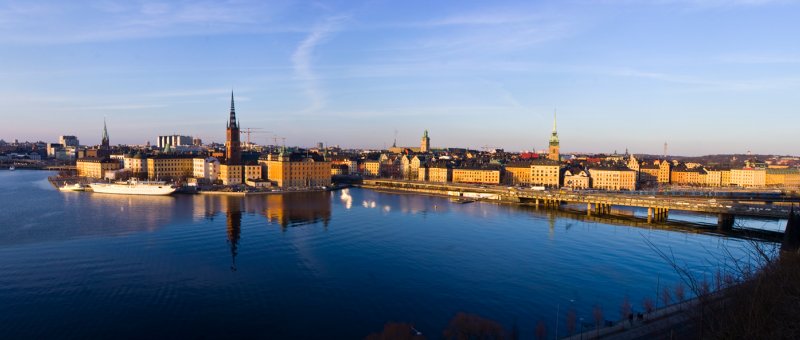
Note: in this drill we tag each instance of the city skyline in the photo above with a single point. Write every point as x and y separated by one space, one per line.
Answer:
708 77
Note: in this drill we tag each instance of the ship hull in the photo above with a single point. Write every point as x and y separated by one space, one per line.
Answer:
132 189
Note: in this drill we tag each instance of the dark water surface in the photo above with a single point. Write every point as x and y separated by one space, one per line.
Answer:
318 265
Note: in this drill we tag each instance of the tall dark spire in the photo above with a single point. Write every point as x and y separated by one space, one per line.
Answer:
232 122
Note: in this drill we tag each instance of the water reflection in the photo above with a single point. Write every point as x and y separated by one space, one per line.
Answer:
233 221
296 209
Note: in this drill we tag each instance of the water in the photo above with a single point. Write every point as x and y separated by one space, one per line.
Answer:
316 265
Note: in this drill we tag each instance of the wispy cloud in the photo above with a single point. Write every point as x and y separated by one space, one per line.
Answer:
301 60
760 59
79 22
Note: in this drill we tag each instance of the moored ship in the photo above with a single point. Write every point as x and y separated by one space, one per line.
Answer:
133 188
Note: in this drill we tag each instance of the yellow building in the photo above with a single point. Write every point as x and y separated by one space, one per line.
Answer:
518 173
681 175
783 177
545 173
714 177
253 171
440 173
749 177
136 164
664 169
487 174
613 179
372 168
231 174
298 171
169 167
95 167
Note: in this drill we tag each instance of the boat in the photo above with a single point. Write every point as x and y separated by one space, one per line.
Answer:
11 168
134 187
73 187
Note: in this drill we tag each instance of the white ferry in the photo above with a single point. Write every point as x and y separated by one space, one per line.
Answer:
134 187
73 187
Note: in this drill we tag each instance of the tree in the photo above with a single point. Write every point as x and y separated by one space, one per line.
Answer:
397 330
470 326
572 318
665 296
597 313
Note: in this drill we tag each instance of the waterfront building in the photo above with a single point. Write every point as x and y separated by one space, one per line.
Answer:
553 152
783 177
683 175
136 164
425 144
253 171
207 169
577 179
231 174
749 177
518 173
164 167
613 178
713 177
477 174
422 173
298 170
545 172
96 167
174 141
68 141
440 172
233 146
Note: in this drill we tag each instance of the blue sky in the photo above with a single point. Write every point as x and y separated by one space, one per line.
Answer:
706 76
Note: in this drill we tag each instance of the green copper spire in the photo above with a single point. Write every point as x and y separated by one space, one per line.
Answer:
554 136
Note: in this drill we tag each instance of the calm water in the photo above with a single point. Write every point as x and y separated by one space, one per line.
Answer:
321 265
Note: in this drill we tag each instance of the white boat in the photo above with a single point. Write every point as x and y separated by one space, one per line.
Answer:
133 187
11 168
74 187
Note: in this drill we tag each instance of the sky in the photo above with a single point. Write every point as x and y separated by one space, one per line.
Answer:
705 76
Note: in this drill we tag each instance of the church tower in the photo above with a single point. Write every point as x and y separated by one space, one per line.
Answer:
425 145
233 147
553 150
105 149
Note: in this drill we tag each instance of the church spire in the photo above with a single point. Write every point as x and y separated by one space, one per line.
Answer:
104 140
554 121
232 122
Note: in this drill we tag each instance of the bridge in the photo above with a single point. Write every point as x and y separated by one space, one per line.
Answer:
61 168
598 202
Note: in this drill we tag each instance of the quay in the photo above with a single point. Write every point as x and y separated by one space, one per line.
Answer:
600 203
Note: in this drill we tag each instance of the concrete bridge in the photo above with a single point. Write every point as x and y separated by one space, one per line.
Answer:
598 202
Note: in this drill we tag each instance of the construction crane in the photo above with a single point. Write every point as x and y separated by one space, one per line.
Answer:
248 131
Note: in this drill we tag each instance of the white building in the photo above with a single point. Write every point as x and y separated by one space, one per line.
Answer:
174 141
206 168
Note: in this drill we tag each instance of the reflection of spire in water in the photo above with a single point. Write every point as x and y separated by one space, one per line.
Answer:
234 223
552 221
